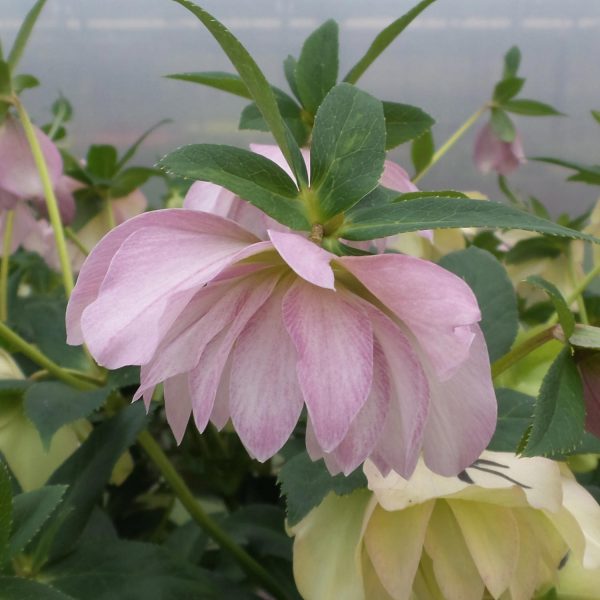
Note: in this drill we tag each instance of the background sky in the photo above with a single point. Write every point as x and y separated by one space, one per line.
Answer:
108 57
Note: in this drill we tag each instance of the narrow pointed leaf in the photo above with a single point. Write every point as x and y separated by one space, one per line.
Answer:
289 69
226 82
403 123
507 89
502 125
348 149
565 316
251 176
441 213
130 152
23 35
515 411
422 151
596 115
383 39
512 61
17 588
531 108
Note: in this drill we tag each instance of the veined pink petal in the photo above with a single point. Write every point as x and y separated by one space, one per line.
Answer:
206 375
492 154
18 173
274 154
305 258
433 303
178 406
96 265
334 341
396 178
220 414
462 414
64 189
265 398
209 197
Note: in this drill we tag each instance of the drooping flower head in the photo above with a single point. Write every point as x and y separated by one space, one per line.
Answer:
493 154
503 528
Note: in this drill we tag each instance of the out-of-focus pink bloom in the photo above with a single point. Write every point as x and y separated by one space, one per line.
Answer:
64 189
589 367
251 330
492 154
24 225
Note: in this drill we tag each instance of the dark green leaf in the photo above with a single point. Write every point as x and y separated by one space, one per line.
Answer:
559 415
31 510
226 82
495 295
585 336
512 60
289 69
257 85
403 123
131 179
23 34
6 511
419 195
89 468
5 80
434 213
348 149
101 161
15 588
383 39
531 108
380 196
52 404
24 82
596 115
187 542
565 316
515 411
123 377
130 152
507 89
305 483
422 151
535 248
62 109
13 387
249 175
317 67
586 173
502 125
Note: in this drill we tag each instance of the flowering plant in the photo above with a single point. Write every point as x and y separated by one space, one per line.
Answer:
414 370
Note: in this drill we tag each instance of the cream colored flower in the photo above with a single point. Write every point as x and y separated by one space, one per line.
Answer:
501 529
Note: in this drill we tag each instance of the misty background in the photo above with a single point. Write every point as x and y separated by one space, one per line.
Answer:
108 57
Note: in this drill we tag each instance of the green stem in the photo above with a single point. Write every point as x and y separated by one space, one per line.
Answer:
110 215
51 203
451 141
9 221
573 280
75 239
251 566
522 350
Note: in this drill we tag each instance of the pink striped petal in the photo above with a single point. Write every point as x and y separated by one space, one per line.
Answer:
265 398
274 154
178 406
209 197
462 414
334 341
220 414
18 173
305 258
435 305
396 178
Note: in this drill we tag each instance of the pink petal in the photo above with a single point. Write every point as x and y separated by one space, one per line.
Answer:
462 414
96 265
7 200
435 305
129 206
305 258
18 173
24 226
178 406
220 414
334 341
265 398
64 189
396 178
492 154
274 154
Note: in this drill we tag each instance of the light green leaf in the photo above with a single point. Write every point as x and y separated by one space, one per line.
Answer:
383 39
531 108
52 404
507 89
289 69
226 82
596 115
515 411
512 61
249 175
495 295
317 68
257 85
585 336
565 316
422 151
440 213
5 80
101 161
559 415
502 125
348 149
23 34
6 511
403 123
585 173
24 82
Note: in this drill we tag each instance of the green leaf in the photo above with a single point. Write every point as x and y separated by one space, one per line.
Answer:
23 34
585 336
88 470
130 179
383 39
596 115
5 80
24 82
515 411
422 151
101 161
495 295
6 511
130 152
565 316
62 109
531 108
317 68
512 61
507 89
31 511
226 82
348 149
502 125
535 248
249 175
13 387
289 69
436 213
305 483
585 173
15 588
52 404
559 415
257 85
403 123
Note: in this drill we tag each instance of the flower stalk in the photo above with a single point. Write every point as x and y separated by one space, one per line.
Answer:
5 264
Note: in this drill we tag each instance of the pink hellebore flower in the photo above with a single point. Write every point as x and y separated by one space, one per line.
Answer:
492 154
589 368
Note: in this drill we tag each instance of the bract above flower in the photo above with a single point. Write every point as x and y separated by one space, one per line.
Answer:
493 154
